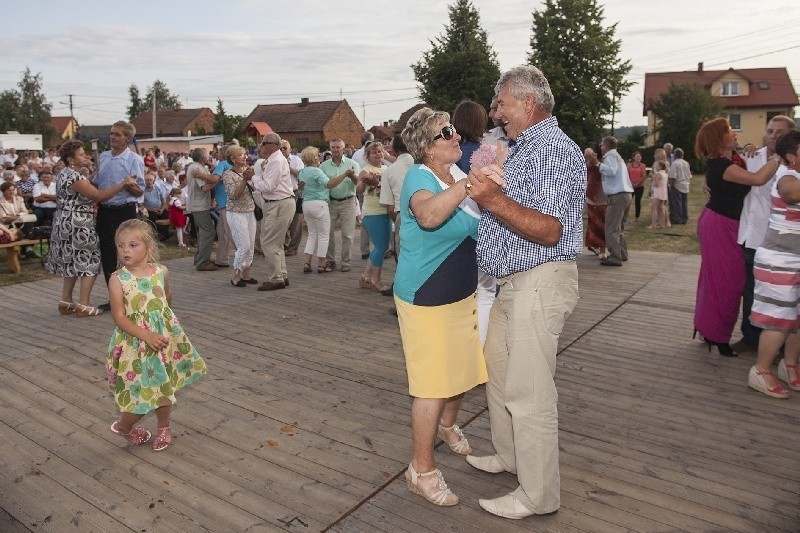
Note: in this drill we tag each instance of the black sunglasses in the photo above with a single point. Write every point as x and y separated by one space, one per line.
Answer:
447 133
270 142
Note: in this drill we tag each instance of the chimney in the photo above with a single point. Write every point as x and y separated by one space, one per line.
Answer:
303 102
700 67
385 124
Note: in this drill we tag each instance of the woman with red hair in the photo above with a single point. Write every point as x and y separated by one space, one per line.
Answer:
722 270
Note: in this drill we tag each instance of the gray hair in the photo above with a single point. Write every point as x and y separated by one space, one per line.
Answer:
128 128
609 141
420 130
790 123
679 153
198 153
524 80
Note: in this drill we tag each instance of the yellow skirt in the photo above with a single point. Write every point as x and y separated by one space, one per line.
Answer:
442 347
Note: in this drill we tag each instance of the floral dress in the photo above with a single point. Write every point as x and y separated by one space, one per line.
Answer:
141 379
73 240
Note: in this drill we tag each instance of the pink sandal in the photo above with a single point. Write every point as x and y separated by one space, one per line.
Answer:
163 439
135 436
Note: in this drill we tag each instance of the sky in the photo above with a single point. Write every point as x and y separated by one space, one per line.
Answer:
250 52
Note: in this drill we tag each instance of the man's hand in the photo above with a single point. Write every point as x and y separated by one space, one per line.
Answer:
481 187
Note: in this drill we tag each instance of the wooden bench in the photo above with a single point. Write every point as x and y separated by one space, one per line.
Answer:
14 249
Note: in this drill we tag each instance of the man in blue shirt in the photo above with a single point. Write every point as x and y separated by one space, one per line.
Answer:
113 166
529 236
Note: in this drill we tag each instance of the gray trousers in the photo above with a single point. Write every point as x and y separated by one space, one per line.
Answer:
205 236
615 235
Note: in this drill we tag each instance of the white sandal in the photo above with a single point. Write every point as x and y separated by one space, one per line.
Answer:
441 496
461 446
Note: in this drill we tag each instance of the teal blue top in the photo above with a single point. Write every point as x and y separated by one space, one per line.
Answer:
346 188
316 187
436 266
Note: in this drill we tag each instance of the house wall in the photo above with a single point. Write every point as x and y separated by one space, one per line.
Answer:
753 123
205 120
344 124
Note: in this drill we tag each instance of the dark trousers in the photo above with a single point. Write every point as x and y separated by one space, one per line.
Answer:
750 332
109 219
44 215
678 206
638 192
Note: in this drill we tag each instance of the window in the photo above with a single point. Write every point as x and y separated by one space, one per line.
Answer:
735 120
730 88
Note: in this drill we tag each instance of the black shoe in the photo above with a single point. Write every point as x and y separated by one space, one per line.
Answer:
389 291
240 283
105 307
364 256
610 263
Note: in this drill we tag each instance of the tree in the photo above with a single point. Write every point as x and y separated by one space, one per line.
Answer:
164 99
26 110
681 110
223 124
460 64
137 106
580 59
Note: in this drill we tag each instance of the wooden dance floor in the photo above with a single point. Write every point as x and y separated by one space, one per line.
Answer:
303 421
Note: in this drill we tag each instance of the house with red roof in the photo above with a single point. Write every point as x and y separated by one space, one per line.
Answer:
66 127
175 123
306 123
752 96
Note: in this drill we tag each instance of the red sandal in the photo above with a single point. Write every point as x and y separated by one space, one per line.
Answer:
783 375
163 439
136 436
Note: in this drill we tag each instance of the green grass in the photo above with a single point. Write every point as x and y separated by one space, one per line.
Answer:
677 239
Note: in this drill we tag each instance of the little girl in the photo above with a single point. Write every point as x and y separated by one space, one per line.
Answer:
149 356
177 217
659 196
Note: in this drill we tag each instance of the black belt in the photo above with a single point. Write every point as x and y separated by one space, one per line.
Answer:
117 207
342 199
282 199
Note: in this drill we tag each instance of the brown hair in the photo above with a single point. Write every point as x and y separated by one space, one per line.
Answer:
470 120
68 150
710 140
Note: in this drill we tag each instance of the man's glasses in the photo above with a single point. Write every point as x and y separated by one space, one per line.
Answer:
270 142
447 133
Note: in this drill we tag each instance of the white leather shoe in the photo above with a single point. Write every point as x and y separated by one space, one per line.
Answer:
506 506
487 463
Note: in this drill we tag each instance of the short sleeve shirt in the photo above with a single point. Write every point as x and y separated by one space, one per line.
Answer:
436 266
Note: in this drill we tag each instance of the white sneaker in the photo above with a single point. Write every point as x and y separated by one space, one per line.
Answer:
506 506
487 463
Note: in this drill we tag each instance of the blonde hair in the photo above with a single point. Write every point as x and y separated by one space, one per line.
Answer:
233 151
420 130
310 156
145 232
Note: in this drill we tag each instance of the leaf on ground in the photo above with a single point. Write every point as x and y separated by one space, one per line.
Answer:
272 443
287 430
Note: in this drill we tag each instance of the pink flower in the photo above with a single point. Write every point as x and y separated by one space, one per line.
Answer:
117 353
483 156
176 355
111 376
130 375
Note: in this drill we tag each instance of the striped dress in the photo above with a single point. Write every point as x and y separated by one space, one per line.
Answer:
776 304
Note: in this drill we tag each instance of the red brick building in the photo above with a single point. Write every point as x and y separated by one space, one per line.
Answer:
175 123
307 122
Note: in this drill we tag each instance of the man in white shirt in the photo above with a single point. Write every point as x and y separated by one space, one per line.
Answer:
497 133
754 222
273 180
295 233
44 199
391 185
618 189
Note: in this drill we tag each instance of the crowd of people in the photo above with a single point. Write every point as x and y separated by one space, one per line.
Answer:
487 229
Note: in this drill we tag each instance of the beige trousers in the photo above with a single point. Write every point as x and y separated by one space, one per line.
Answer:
277 217
524 325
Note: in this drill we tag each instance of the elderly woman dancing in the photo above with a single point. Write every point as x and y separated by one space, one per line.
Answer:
435 297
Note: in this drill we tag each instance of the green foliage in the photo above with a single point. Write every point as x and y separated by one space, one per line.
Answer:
26 110
224 124
137 106
580 59
626 149
681 110
637 135
460 64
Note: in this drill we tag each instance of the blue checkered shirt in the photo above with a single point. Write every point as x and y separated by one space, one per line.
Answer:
545 171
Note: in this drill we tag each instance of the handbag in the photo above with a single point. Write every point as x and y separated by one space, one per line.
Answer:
257 211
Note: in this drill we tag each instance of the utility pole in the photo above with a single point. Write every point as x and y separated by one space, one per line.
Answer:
364 113
72 117
154 112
